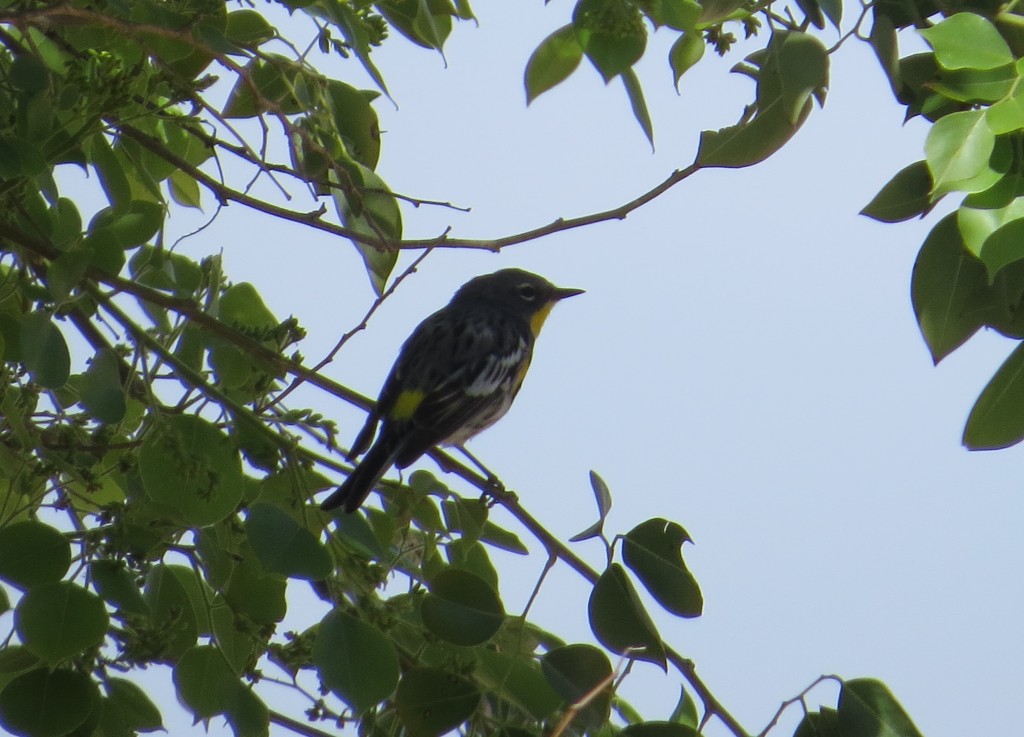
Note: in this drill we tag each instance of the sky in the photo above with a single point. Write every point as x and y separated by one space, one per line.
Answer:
745 361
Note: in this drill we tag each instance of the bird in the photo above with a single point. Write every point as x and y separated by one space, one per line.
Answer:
455 376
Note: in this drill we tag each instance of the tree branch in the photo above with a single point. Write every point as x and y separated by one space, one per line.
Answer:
556 548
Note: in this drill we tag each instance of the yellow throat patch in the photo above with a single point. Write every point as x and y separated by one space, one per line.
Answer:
537 321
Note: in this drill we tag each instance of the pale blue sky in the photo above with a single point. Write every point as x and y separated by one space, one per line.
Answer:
745 362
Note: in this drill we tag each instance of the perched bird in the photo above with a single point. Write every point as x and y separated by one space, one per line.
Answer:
456 375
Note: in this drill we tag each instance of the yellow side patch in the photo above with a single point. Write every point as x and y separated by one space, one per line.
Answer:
537 321
406 404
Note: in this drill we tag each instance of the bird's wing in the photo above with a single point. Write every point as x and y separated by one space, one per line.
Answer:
464 380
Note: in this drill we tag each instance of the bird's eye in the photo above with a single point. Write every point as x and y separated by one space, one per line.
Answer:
528 292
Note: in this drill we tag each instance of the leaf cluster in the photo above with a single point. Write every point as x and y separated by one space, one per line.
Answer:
970 270
613 36
155 488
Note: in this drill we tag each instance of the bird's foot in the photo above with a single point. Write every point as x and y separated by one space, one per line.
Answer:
496 493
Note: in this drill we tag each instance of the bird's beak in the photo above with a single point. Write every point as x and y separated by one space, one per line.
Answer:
562 293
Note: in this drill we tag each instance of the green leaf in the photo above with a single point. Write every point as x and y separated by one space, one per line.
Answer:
603 497
356 121
67 224
356 661
551 63
619 620
254 592
232 637
802 71
967 41
905 196
462 608
284 546
833 10
470 555
248 28
747 143
637 103
58 620
169 588
866 707
215 546
15 660
520 680
131 225
685 52
172 609
465 516
686 710
824 723
170 272
1003 247
66 272
21 158
246 712
112 176
427 24
116 586
679 15
100 390
976 86
432 702
44 703
353 531
373 212
203 679
795 69
1007 115
997 418
191 466
266 80
351 27
945 278
28 74
982 214
812 13
140 714
32 553
652 552
242 306
502 539
581 673
716 11
185 190
659 729
611 33
958 148
44 351
884 43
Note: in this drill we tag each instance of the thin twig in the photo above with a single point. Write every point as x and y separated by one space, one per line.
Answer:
361 326
296 726
798 699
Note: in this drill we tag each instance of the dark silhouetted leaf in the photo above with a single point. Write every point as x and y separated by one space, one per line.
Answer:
356 661
652 552
462 608
619 620
32 553
58 620
432 702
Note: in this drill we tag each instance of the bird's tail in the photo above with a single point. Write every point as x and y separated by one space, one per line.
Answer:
363 478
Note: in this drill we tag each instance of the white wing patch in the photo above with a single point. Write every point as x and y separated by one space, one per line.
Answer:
498 373
494 381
